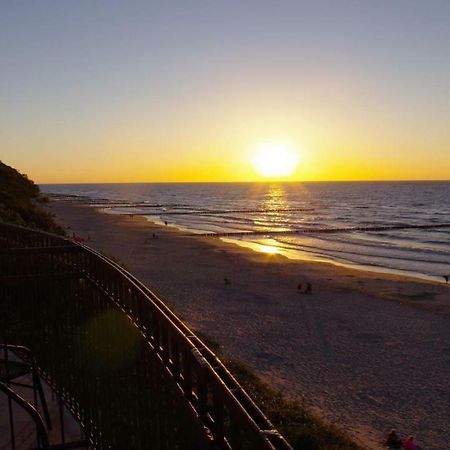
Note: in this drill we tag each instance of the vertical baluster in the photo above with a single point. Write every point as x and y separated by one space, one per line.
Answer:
156 332
187 374
235 435
175 359
218 413
165 343
202 392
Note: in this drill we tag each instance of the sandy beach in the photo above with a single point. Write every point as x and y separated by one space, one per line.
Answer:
365 351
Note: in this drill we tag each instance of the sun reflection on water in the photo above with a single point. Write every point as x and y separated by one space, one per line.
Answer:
275 198
269 249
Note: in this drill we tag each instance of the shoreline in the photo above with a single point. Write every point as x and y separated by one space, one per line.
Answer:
354 269
290 254
331 350
296 255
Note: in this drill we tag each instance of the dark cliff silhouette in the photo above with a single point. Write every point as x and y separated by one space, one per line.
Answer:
21 202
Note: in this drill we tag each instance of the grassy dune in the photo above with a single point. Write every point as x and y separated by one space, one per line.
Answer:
301 429
21 202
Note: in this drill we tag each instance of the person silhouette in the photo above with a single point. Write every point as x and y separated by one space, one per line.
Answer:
409 444
393 442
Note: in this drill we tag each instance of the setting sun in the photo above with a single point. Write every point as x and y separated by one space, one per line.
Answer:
275 160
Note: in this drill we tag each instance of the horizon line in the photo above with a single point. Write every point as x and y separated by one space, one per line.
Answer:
254 182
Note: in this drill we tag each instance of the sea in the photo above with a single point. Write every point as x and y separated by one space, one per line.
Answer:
391 227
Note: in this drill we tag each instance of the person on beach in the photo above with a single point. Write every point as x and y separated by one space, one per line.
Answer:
393 442
409 444
308 289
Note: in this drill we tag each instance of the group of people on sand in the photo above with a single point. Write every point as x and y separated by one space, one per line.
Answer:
393 442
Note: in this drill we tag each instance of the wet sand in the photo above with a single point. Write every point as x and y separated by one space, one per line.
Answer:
365 351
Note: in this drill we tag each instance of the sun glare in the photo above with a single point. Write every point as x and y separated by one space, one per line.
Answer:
268 249
275 160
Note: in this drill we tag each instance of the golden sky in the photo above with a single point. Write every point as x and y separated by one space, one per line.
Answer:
141 93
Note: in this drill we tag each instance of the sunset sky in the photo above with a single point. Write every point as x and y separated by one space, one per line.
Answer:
129 91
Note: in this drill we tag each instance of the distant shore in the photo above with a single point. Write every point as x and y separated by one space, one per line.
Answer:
366 351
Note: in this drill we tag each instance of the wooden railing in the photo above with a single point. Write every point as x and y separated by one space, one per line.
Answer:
132 373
